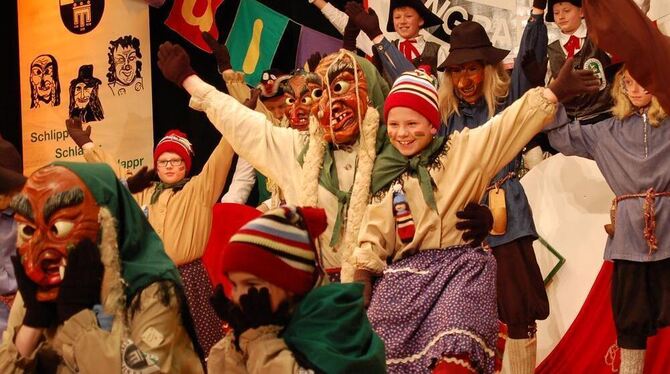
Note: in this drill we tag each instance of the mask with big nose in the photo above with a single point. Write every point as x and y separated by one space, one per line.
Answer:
54 212
344 101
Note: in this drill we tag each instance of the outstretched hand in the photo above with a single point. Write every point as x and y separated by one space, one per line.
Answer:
476 222
351 32
366 21
220 51
141 179
570 83
253 98
77 132
174 63
255 310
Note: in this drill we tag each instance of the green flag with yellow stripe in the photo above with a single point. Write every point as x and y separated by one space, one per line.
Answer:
254 38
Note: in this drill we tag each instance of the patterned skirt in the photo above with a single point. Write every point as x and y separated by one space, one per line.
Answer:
198 289
437 304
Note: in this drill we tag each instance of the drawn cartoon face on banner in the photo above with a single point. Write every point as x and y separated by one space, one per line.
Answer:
125 66
81 16
345 96
303 92
84 101
44 82
54 212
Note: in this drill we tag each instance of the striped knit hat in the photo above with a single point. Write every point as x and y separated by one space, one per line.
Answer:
278 247
175 141
415 90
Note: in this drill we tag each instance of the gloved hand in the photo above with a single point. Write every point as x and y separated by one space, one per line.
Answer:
351 32
570 83
38 314
141 180
540 4
255 310
253 99
476 223
535 71
174 63
82 281
365 277
220 51
313 61
366 21
221 304
77 132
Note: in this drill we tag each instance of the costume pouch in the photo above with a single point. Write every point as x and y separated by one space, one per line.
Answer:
498 208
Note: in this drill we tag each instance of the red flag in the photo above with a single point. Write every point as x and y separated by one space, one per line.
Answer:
189 18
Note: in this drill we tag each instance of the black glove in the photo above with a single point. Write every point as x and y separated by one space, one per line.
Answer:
141 180
476 223
38 314
365 277
366 21
174 63
540 4
253 98
221 304
77 132
220 51
255 310
570 83
351 32
313 61
81 284
535 71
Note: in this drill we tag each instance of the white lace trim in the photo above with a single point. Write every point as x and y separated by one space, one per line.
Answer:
460 362
406 270
490 352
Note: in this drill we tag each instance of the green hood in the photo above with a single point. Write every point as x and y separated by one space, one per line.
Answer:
331 332
143 258
378 88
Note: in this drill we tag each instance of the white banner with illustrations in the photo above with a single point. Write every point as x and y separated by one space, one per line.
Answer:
88 59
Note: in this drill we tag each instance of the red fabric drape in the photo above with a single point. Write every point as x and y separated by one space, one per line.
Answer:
589 345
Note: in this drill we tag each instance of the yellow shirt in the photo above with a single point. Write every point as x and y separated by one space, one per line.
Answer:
181 219
467 164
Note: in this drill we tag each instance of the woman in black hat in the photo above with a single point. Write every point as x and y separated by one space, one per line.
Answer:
84 101
475 87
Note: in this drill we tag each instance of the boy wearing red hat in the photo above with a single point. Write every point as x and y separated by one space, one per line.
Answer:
280 323
179 208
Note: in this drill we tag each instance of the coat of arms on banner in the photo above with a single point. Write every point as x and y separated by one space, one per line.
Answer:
81 16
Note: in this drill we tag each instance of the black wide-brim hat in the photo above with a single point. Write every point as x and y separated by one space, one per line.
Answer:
86 75
11 176
429 18
469 42
550 7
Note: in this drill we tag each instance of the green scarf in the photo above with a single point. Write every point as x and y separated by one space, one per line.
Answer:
143 258
160 187
330 332
329 180
390 164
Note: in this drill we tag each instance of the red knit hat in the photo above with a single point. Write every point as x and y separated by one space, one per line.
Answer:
175 141
279 248
414 90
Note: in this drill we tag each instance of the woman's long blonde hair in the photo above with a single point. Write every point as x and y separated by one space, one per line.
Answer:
495 89
624 108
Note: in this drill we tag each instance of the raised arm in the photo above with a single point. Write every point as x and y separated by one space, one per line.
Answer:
620 28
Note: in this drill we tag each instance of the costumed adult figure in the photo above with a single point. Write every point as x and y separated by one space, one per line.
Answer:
11 182
83 241
475 88
329 167
280 322
630 150
179 209
434 302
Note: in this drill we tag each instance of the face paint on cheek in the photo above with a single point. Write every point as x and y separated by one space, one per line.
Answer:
419 134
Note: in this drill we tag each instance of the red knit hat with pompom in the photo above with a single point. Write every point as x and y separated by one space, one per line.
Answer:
175 141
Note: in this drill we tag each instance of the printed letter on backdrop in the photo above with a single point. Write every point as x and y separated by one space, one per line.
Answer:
87 59
189 18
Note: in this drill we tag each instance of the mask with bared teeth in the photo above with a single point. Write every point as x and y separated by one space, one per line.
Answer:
303 92
54 212
344 101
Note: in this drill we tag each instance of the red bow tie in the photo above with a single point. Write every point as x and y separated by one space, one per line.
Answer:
408 49
572 45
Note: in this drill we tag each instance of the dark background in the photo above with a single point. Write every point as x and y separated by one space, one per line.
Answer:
170 103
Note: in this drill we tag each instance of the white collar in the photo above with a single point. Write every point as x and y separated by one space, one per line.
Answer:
418 38
580 33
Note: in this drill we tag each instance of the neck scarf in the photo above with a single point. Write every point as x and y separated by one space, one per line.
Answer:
160 187
329 180
391 164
